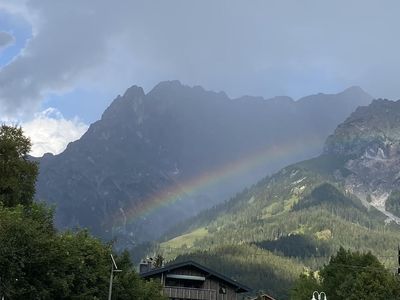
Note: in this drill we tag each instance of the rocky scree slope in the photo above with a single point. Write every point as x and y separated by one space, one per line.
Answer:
370 137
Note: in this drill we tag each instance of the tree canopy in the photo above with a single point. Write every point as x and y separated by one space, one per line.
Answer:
350 275
36 261
17 173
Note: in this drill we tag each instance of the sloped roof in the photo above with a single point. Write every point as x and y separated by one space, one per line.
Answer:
263 296
240 288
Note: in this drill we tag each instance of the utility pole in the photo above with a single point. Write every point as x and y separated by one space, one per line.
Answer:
114 268
398 258
1 289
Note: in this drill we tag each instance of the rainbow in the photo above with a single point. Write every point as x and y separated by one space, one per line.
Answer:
209 179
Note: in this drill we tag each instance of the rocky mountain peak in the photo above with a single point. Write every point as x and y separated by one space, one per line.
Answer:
377 124
167 87
171 91
369 140
355 90
145 144
134 92
127 105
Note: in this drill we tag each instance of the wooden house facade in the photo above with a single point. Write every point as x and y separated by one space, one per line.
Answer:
192 281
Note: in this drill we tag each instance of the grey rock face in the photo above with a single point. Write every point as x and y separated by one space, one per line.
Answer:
137 171
370 137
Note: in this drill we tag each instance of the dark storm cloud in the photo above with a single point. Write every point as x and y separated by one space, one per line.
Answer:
243 47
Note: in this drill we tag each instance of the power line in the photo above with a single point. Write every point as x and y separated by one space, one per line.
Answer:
272 252
386 257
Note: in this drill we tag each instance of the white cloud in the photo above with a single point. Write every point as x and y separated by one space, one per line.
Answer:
50 132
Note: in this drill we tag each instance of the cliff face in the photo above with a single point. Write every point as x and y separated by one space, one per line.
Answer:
137 171
370 138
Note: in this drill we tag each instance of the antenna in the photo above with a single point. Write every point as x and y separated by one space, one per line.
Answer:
398 254
113 261
114 269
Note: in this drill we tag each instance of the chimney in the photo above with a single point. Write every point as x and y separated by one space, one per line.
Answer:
146 265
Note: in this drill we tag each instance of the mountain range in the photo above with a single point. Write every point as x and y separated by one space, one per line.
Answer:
156 159
294 220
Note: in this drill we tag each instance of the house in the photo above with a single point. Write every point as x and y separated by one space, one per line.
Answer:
192 281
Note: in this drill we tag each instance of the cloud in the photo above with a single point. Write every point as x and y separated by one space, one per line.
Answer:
50 132
258 47
6 39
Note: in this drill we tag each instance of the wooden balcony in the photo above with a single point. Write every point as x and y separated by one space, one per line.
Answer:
189 293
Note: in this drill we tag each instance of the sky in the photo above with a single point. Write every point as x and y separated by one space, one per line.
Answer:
63 62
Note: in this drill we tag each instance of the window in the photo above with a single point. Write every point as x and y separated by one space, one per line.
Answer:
183 283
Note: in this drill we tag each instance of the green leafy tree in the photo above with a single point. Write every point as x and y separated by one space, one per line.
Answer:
355 275
28 255
351 276
305 286
17 173
158 261
128 285
37 262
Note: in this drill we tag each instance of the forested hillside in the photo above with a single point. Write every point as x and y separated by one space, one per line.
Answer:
304 213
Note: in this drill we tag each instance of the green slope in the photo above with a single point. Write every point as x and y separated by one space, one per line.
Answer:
301 215
294 220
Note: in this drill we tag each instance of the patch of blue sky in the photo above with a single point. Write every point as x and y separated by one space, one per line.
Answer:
17 27
86 104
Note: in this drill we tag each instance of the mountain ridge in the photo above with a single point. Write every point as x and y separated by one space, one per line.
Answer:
160 141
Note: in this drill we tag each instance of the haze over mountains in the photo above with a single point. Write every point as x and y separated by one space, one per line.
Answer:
155 159
297 218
